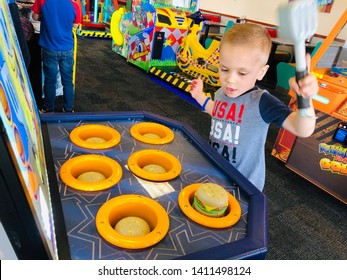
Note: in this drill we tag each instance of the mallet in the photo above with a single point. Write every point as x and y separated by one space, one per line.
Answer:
298 22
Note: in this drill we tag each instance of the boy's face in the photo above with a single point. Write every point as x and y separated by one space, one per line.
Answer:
240 68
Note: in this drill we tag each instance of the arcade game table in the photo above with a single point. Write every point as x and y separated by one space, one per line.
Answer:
185 238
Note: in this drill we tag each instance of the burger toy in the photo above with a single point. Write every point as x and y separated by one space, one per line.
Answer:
211 200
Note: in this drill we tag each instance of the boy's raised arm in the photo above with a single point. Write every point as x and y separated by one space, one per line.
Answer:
302 122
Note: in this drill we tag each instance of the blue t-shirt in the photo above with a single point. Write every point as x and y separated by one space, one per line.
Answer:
239 128
57 18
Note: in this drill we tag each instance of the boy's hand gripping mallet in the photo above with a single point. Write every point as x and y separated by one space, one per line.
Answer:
298 22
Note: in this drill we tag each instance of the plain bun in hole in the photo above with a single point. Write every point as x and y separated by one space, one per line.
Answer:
132 226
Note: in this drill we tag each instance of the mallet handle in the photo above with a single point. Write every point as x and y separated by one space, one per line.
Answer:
303 103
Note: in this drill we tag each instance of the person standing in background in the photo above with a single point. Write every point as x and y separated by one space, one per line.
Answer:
56 39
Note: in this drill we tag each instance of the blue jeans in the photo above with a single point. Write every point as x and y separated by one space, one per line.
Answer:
53 62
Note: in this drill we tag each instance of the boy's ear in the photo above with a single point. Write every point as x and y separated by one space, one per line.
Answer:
262 72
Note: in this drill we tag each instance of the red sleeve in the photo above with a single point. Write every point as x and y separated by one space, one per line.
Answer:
78 10
36 8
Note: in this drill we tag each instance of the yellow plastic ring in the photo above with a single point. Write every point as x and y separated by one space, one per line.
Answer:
80 134
132 205
185 200
140 130
74 167
139 159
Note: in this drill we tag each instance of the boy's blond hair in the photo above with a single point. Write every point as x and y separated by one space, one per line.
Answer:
250 35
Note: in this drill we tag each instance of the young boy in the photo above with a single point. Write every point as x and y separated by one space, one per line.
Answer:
241 112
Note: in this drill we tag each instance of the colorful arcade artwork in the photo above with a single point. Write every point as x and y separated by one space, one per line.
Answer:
163 38
150 34
20 121
184 5
141 28
325 6
196 60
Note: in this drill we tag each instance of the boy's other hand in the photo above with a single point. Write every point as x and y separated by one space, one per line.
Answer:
196 88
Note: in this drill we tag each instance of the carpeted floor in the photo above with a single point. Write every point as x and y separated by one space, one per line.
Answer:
304 222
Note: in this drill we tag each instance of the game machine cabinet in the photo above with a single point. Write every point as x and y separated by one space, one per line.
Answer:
49 212
170 28
322 157
195 60
120 31
142 22
127 22
192 59
150 35
157 44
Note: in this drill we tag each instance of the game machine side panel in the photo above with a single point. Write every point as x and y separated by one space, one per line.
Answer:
170 29
119 27
141 32
322 157
26 202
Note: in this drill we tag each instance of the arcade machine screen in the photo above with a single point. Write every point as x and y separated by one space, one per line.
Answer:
21 137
